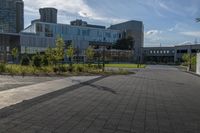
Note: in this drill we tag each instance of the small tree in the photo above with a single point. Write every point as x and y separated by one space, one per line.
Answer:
49 54
15 53
59 50
70 54
45 61
189 60
37 60
89 55
186 59
25 61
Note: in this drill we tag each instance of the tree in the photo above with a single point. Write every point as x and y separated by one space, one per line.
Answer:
25 61
49 54
89 54
37 60
125 44
70 52
15 53
59 50
187 58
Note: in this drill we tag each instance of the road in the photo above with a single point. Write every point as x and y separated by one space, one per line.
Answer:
158 99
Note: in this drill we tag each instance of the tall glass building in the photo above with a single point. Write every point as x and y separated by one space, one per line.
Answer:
11 16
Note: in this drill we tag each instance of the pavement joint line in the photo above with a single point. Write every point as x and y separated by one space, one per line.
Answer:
18 107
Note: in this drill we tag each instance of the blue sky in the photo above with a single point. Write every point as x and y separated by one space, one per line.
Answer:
169 22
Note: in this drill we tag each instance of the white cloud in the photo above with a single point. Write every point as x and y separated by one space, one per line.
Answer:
76 8
191 33
153 32
184 43
153 35
169 9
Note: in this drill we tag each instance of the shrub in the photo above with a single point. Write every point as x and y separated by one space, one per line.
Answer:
45 60
25 61
55 69
62 69
79 68
70 68
2 67
37 60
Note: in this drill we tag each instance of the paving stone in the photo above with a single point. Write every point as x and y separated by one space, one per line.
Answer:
151 101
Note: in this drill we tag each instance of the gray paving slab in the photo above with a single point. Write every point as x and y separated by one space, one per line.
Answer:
158 99
8 82
19 94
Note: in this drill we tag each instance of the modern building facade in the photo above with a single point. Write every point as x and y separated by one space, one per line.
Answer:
48 15
11 16
8 41
134 29
80 22
168 54
158 54
41 35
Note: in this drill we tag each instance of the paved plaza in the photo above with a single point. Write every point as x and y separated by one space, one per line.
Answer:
8 82
158 99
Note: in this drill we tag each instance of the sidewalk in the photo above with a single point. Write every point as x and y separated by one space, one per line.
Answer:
17 95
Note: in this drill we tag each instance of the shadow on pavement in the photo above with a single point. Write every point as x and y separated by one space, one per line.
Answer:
7 111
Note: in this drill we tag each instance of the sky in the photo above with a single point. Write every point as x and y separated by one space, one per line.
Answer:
166 22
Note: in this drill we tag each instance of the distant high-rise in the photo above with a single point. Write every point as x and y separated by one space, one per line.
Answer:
11 16
48 15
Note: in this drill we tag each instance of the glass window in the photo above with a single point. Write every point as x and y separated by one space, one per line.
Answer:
48 31
39 27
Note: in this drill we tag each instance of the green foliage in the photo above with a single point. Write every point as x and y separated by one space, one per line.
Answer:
79 68
2 67
124 44
70 52
25 61
45 61
59 50
89 53
37 60
49 55
187 58
15 52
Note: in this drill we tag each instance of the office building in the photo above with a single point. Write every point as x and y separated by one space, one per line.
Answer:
169 55
80 22
11 16
48 15
40 35
134 29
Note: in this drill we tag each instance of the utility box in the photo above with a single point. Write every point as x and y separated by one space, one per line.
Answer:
198 64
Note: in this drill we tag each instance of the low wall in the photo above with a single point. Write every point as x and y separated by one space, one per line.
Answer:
198 64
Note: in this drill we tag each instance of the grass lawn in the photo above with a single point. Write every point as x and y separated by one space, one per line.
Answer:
125 65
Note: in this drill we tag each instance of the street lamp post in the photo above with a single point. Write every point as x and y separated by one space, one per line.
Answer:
103 58
190 65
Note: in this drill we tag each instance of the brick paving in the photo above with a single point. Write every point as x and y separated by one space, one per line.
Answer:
151 101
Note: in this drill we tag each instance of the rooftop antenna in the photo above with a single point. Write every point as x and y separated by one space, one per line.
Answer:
160 45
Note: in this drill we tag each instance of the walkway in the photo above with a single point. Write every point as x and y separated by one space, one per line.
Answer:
158 99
